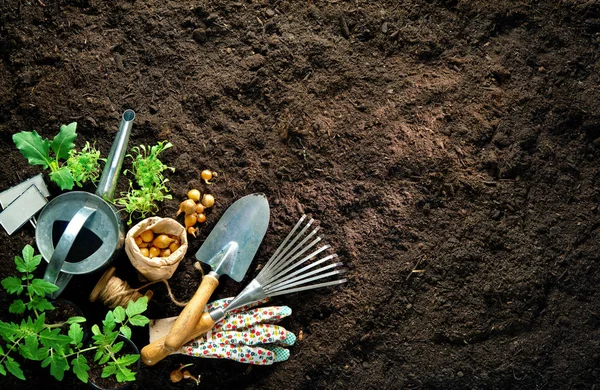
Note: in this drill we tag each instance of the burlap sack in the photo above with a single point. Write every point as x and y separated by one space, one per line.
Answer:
156 268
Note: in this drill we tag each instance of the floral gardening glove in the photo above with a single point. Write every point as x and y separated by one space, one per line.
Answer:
245 335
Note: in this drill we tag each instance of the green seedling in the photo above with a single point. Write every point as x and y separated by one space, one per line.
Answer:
149 183
34 339
67 167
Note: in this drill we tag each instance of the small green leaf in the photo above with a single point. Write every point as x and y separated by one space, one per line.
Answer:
17 307
53 339
104 359
81 368
20 264
96 330
12 285
108 324
119 314
76 334
76 320
42 287
58 365
2 370
125 331
63 142
137 307
139 320
125 374
63 178
14 368
35 149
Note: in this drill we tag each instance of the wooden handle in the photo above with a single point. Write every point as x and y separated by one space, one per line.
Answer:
189 317
157 351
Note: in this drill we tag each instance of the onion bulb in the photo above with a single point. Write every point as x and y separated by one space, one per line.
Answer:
153 252
208 200
199 208
165 253
192 230
201 218
147 235
206 175
138 240
144 252
194 195
162 241
187 206
190 220
173 247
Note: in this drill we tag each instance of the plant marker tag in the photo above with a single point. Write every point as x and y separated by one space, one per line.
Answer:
8 196
22 209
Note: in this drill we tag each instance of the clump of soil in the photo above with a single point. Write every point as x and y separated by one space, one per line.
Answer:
449 150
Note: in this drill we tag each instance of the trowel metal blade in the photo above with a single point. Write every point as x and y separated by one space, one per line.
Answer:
233 242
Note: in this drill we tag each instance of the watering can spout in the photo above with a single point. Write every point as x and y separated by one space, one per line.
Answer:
110 174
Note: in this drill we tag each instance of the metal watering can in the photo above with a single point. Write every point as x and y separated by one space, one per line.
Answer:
85 227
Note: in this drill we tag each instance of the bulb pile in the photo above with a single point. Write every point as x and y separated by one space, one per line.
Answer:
195 205
157 245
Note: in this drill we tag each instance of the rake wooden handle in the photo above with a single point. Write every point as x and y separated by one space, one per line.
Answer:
189 317
156 350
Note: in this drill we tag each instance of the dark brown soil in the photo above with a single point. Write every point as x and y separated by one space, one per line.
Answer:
449 150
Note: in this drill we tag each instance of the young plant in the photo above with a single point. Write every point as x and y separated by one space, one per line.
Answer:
34 339
147 171
83 166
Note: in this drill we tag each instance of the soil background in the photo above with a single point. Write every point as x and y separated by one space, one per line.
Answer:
449 150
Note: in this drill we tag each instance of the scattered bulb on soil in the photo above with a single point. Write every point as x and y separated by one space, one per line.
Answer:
208 200
188 206
194 195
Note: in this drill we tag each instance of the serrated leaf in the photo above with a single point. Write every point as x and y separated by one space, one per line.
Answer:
14 368
58 365
81 368
139 320
109 370
108 324
20 264
119 314
126 360
62 143
40 303
125 375
33 147
2 370
117 347
8 330
137 307
76 320
53 339
30 349
12 285
75 333
42 287
63 178
98 355
31 261
126 331
17 307
105 358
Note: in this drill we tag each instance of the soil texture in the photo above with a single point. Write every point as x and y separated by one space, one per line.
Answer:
448 149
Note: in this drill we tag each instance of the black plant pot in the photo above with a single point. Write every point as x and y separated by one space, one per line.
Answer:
97 382
63 310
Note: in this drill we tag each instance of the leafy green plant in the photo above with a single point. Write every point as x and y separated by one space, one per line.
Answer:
147 171
75 167
34 339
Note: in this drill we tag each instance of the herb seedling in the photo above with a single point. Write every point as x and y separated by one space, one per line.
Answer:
75 168
34 339
147 171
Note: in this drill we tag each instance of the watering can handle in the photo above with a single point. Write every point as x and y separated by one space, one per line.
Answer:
53 273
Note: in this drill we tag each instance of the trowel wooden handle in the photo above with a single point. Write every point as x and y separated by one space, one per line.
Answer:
189 317
156 350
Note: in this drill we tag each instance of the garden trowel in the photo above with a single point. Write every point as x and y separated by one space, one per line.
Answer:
228 250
